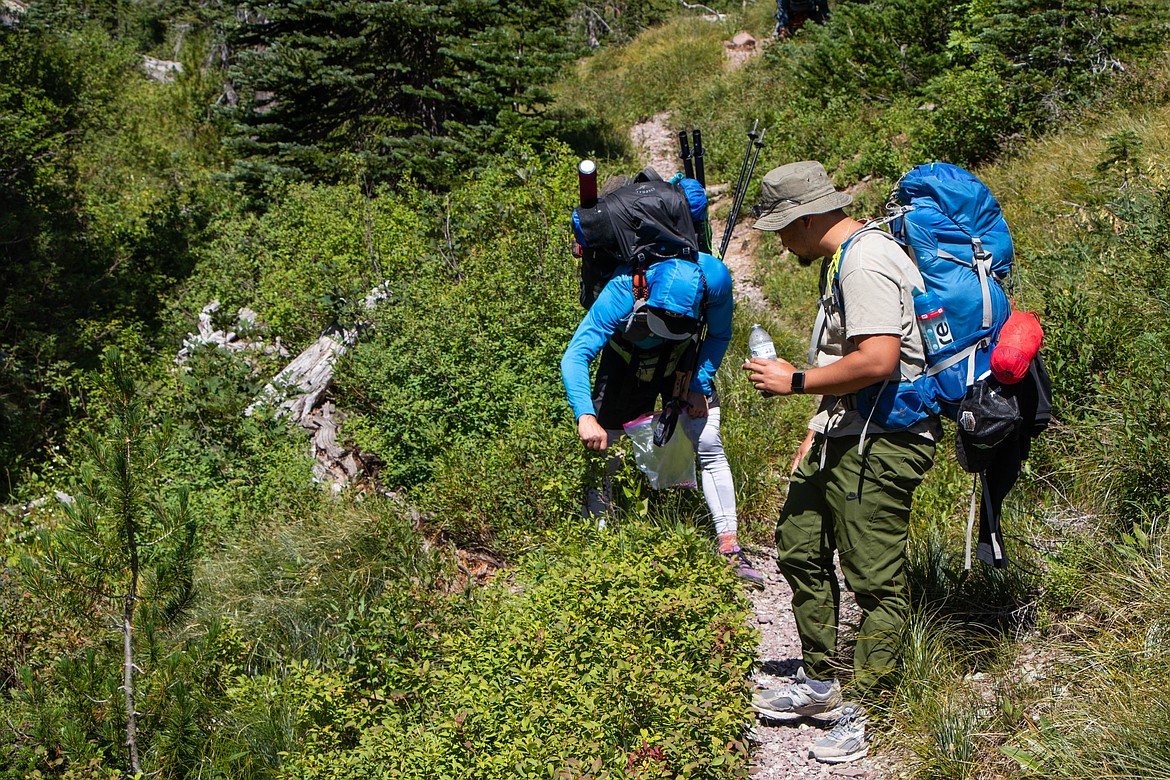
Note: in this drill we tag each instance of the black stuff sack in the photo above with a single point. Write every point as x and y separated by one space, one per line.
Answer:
987 418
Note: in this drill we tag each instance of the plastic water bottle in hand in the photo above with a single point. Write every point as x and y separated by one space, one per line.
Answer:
760 343
761 346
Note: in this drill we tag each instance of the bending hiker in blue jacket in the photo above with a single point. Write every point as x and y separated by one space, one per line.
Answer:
638 360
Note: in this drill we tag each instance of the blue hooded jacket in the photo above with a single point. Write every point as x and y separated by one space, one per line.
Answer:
609 313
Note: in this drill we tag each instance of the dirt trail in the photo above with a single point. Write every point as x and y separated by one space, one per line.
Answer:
782 750
658 142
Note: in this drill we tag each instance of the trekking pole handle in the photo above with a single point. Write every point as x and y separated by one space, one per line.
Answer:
587 182
685 154
699 175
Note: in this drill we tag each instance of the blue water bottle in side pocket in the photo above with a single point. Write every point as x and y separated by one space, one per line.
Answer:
932 322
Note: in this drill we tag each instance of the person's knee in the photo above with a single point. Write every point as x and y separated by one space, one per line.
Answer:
712 456
704 432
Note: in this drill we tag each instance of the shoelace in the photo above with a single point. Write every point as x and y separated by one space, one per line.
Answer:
848 718
741 558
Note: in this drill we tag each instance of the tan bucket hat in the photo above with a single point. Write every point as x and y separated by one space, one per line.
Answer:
793 191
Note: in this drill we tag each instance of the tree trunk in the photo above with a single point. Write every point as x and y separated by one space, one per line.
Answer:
128 683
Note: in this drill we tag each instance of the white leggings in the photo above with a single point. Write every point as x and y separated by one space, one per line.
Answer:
718 486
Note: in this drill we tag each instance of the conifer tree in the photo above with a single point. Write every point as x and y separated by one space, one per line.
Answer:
125 557
1048 50
389 87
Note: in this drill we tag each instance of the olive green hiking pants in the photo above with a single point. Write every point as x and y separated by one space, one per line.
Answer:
860 507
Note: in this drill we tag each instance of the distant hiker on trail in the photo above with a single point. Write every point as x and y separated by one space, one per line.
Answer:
792 14
645 325
852 480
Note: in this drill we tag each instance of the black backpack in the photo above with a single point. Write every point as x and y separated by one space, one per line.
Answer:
639 223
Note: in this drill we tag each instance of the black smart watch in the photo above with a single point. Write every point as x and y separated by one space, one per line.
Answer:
797 382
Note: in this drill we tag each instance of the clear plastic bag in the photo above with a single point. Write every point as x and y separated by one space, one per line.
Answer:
671 465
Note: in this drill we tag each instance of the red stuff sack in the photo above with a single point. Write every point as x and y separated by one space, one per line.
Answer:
1019 341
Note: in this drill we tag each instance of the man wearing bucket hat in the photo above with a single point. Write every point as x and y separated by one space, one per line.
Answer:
852 480
643 340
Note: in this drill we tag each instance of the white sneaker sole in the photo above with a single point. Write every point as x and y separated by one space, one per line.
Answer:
840 759
808 711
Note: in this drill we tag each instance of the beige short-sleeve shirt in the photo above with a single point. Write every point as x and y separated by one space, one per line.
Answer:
877 281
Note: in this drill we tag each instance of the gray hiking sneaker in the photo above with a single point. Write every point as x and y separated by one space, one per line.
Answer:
798 698
846 741
744 569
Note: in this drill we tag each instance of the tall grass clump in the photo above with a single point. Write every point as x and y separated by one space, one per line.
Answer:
290 586
1102 716
950 707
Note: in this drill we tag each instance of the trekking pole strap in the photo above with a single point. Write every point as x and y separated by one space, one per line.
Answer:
971 523
989 508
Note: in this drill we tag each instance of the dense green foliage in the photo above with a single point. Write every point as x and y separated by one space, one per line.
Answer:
101 195
390 170
386 89
883 85
638 667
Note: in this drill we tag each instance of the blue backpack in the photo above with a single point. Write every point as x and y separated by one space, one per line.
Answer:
953 229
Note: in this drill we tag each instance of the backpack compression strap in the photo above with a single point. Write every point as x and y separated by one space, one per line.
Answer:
664 428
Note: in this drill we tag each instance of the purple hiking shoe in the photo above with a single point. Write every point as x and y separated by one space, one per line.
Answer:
744 569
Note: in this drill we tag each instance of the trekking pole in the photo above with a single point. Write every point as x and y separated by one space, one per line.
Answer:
738 184
699 176
685 154
759 144
703 226
587 195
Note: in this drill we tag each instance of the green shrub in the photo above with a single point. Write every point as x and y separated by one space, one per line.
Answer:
875 51
970 117
307 263
502 491
471 354
1115 663
627 657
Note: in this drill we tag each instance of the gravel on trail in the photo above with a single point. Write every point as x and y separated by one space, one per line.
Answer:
781 750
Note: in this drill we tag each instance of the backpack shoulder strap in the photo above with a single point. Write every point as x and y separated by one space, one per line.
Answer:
830 281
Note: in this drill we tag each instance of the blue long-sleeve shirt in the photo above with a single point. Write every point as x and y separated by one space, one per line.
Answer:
609 313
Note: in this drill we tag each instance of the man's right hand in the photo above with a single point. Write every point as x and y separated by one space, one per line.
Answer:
593 436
